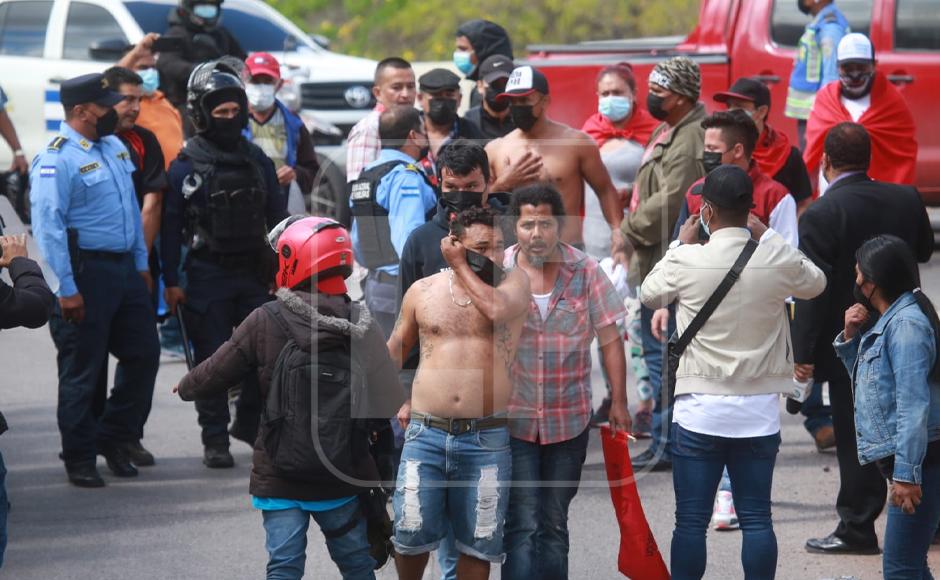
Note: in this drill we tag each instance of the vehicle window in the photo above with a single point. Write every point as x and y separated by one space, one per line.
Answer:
86 24
23 31
787 23
917 25
254 32
150 16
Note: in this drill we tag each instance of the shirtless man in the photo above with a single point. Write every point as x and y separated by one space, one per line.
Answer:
541 150
456 465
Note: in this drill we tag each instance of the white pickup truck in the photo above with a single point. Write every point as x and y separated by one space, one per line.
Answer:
43 42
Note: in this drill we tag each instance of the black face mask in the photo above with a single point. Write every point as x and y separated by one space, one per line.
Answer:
654 104
522 116
495 105
442 111
860 297
107 123
711 160
485 269
802 8
855 93
225 133
458 201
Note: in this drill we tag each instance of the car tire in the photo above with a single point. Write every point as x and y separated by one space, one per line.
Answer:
329 197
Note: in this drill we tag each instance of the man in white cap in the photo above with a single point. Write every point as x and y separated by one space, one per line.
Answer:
563 156
865 96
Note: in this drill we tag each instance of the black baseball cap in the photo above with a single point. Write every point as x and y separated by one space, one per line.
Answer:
438 79
498 66
524 81
729 187
746 89
90 88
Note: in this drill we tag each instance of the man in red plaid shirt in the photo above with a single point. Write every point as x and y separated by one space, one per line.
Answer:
394 85
573 302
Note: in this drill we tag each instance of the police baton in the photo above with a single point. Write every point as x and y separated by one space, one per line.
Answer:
187 348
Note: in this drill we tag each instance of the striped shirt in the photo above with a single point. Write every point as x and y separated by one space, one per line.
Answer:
551 399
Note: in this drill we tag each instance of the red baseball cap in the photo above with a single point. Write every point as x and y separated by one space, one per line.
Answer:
262 63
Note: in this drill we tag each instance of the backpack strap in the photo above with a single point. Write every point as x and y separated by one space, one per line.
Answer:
709 308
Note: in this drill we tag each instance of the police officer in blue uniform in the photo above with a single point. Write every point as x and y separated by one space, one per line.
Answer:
223 197
87 223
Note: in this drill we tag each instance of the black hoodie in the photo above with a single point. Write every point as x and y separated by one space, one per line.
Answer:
487 38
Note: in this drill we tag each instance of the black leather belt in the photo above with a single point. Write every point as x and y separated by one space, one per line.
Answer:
102 255
458 426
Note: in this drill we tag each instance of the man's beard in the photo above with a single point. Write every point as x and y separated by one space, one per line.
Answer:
537 261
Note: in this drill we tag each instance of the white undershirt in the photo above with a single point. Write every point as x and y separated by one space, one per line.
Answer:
732 416
541 300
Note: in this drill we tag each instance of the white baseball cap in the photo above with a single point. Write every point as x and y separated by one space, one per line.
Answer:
855 47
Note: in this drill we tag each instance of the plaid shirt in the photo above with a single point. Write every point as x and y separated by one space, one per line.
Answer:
363 144
551 399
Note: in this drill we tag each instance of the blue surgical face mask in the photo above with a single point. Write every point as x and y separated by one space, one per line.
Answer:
206 11
462 61
151 78
702 221
614 107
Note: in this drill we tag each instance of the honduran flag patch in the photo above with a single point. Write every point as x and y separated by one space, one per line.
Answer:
47 171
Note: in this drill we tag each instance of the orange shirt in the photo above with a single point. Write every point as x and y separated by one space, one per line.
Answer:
159 116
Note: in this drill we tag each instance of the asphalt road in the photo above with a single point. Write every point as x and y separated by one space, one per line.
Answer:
181 520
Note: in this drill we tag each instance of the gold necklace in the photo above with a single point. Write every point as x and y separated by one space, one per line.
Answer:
450 286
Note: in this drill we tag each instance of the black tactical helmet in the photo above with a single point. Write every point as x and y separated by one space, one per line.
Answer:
209 81
185 10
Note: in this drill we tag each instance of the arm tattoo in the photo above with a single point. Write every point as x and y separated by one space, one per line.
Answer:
504 343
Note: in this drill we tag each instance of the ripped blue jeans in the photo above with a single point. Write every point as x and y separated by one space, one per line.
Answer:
458 481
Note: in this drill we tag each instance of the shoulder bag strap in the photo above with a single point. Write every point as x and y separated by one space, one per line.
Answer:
717 296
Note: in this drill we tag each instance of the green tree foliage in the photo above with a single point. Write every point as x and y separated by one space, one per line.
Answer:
424 29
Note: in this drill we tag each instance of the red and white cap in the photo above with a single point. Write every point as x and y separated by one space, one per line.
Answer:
523 81
262 63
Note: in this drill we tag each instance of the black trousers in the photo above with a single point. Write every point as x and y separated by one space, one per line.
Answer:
862 489
217 300
118 320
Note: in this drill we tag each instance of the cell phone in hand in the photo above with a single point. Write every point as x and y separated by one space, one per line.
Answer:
167 44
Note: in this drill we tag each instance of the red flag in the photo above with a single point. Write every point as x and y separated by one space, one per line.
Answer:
639 557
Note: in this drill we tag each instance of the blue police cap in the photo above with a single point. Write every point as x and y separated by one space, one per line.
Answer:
90 88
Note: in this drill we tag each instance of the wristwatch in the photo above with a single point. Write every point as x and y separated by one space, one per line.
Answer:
19 153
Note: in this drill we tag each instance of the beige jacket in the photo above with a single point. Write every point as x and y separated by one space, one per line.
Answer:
744 348
661 183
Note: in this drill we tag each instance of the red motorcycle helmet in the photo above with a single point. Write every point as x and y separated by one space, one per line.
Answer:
314 248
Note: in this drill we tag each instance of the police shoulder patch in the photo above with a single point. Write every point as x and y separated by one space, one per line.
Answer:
90 167
57 143
47 171
123 155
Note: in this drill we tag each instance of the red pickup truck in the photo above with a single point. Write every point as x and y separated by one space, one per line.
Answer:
757 38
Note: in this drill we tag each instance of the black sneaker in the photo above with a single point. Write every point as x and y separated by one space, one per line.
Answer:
602 415
118 460
217 457
138 455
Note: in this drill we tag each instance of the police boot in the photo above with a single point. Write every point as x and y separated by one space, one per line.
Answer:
216 456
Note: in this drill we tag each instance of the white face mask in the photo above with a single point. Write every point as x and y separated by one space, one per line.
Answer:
260 97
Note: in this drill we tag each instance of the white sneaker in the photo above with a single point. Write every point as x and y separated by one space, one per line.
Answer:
724 516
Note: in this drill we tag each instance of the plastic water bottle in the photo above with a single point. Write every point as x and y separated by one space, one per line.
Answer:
798 395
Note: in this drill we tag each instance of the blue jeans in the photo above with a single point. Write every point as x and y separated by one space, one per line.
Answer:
4 509
287 542
456 482
537 528
653 355
908 537
697 464
817 415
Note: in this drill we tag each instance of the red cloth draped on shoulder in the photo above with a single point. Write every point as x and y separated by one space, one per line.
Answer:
888 122
639 128
772 151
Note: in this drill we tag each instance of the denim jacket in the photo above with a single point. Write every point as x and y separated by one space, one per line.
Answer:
897 407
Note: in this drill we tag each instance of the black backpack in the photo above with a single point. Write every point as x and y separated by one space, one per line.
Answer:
309 431
307 418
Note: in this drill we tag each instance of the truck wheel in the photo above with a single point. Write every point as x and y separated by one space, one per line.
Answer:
329 198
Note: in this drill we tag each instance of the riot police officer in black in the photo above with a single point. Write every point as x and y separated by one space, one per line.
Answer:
197 23
222 199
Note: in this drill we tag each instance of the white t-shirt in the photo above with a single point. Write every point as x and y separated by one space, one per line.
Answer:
541 300
732 416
